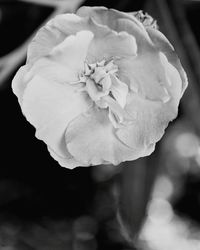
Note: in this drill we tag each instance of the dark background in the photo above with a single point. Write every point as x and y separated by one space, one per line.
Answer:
39 199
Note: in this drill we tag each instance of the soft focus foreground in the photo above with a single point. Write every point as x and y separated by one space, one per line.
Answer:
46 207
174 195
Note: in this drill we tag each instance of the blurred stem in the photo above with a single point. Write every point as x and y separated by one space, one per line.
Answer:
136 184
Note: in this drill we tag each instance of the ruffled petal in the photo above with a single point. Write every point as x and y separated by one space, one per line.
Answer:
90 138
44 41
175 86
19 84
51 35
119 90
142 38
109 17
67 162
106 43
65 61
111 45
52 71
151 119
118 21
68 24
162 44
94 93
50 106
73 50
120 115
146 76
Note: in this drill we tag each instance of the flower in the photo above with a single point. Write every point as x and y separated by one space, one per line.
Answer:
100 86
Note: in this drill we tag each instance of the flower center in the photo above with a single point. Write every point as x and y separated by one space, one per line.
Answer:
98 79
101 82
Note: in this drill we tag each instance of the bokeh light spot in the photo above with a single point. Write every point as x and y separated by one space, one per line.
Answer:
187 144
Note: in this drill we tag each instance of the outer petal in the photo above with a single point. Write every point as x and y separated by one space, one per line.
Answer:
118 21
175 86
52 71
151 119
50 106
73 50
106 43
18 83
62 64
45 40
68 24
90 138
145 76
109 17
162 44
52 35
64 61
67 162
110 44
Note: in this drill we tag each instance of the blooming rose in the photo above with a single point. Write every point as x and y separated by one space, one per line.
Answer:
100 86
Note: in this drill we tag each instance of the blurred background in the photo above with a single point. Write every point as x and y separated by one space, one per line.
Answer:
149 204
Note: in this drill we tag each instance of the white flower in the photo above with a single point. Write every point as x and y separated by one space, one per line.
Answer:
99 87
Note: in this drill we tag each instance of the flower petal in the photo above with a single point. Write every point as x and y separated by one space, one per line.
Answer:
142 38
121 116
45 40
50 106
110 44
175 86
161 43
52 71
65 61
50 35
119 90
90 138
146 76
109 17
106 42
67 162
93 91
19 84
68 24
73 50
151 119
118 21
